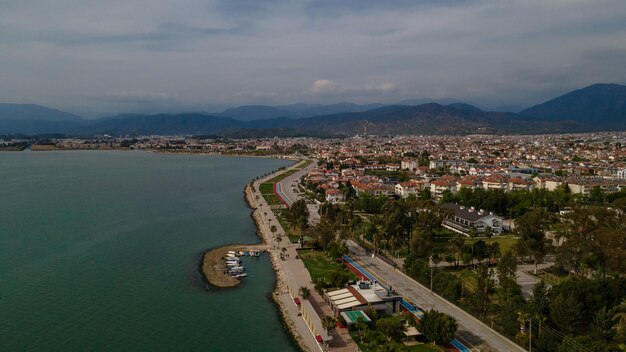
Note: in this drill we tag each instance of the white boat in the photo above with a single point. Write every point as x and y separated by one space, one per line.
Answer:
233 252
235 269
240 275
231 255
232 264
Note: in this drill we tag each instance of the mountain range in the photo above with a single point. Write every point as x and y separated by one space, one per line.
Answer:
597 107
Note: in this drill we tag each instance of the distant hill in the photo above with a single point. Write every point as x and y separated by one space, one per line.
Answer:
34 112
602 105
598 107
162 124
464 107
294 111
256 112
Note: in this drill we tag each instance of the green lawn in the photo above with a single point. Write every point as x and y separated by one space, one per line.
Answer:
319 264
272 199
282 176
266 188
416 348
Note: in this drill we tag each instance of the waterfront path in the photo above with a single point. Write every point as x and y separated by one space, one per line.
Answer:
471 331
292 274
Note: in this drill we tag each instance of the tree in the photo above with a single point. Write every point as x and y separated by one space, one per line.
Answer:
565 313
438 327
620 320
305 292
273 229
603 326
328 323
484 291
530 228
391 327
299 214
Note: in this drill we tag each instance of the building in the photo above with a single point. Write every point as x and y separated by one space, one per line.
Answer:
462 219
363 295
438 187
334 196
405 189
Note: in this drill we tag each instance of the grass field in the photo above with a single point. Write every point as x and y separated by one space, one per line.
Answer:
271 199
416 348
282 176
266 188
319 264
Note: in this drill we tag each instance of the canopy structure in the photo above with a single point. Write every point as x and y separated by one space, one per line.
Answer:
351 317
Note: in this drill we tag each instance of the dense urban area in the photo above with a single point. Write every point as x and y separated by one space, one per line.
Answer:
525 233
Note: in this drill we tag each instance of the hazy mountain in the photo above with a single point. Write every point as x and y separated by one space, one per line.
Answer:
422 101
256 112
464 107
34 112
598 105
162 124
295 111
507 108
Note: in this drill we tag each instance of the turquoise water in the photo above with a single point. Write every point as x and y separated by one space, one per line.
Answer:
99 251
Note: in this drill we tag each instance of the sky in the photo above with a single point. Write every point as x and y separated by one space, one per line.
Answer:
95 57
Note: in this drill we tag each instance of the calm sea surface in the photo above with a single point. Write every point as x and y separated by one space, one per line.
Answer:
99 251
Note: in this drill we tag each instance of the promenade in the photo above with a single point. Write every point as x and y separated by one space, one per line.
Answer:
304 320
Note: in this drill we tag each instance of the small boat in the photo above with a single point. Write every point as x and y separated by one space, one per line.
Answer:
236 269
231 255
241 275
241 253
232 252
232 264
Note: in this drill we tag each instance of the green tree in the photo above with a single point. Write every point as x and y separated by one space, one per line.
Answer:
328 323
565 313
305 292
299 214
391 327
438 327
603 325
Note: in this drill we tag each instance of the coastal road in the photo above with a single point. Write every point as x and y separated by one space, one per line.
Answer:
286 187
471 330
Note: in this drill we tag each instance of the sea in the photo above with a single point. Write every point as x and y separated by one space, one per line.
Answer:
101 250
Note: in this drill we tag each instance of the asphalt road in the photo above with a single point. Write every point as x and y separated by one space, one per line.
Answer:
285 189
471 330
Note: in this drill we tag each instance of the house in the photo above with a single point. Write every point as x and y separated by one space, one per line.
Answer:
334 196
518 184
364 295
438 187
494 182
409 164
405 189
462 219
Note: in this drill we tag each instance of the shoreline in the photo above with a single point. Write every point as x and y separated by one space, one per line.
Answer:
280 284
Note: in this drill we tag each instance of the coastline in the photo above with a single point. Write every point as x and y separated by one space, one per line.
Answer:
280 285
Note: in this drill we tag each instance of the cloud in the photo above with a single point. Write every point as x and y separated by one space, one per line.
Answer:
202 53
324 86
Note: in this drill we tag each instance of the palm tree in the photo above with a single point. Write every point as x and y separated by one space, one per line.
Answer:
620 316
305 292
328 323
